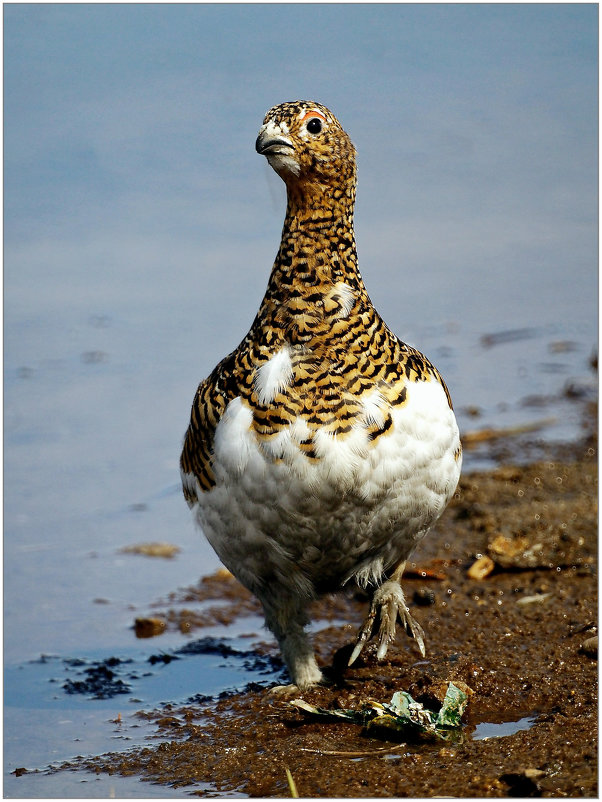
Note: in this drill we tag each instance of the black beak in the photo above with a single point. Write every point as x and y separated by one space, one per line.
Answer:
266 145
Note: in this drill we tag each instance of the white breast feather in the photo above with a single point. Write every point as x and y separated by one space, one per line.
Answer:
375 408
233 444
377 498
273 376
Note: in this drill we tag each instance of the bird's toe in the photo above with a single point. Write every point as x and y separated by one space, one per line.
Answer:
412 627
388 603
284 691
365 633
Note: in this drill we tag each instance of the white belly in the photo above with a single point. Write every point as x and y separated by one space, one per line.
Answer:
276 516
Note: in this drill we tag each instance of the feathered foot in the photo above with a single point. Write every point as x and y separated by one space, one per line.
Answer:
298 654
388 603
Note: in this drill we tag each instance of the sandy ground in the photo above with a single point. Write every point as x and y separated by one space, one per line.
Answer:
519 629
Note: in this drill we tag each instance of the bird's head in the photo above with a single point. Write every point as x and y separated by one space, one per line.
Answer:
305 144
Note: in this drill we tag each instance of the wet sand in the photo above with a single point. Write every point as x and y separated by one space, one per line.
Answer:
519 629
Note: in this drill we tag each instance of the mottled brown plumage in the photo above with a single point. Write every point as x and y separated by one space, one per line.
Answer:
338 359
318 366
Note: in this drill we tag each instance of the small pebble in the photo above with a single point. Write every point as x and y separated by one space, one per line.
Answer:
590 646
534 774
539 598
481 568
149 627
166 550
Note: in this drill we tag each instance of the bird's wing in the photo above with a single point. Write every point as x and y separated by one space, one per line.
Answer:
210 402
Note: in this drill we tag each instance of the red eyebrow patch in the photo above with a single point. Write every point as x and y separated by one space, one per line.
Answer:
313 114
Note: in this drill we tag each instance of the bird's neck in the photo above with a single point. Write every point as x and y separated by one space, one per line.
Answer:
315 281
317 246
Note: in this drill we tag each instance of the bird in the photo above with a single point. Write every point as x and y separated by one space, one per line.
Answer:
323 448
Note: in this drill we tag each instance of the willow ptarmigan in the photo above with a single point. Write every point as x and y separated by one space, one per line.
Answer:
323 448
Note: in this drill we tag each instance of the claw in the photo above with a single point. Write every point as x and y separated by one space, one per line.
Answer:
357 649
389 604
284 691
364 634
413 629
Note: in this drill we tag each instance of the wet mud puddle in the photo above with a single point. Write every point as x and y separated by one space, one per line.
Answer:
93 705
489 729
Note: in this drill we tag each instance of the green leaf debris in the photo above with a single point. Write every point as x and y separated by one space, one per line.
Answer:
402 714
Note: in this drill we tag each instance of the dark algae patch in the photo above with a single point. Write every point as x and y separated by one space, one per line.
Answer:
519 638
100 680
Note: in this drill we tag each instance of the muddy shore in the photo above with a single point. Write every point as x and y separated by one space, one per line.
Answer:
518 628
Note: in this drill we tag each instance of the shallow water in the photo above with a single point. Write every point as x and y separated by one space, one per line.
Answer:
502 729
60 707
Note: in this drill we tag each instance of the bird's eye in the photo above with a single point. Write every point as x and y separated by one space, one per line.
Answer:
314 126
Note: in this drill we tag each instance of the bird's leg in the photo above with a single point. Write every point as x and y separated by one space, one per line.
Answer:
289 628
388 603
